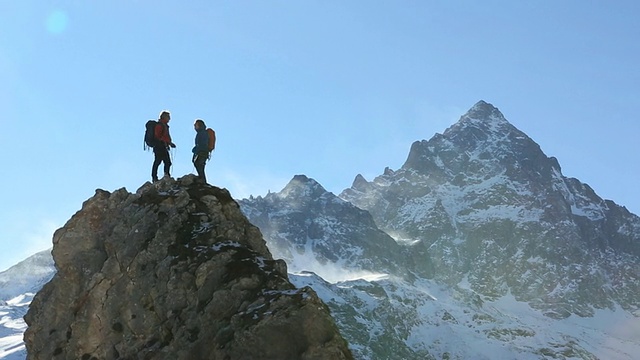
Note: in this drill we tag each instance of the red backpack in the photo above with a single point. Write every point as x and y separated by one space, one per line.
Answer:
212 139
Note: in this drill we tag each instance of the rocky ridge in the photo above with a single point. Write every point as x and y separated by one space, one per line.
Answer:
174 271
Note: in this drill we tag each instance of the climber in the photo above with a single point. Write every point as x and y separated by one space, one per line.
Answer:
202 149
162 144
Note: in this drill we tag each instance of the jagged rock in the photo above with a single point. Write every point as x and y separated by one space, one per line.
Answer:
174 271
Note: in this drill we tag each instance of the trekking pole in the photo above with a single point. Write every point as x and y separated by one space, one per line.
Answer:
171 155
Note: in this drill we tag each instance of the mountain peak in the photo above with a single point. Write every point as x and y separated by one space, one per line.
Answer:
302 186
483 110
482 129
484 117
359 182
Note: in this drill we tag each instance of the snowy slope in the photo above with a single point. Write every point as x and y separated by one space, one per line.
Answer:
27 276
392 319
12 326
18 286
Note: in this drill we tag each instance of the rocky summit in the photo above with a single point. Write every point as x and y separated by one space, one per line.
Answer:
173 271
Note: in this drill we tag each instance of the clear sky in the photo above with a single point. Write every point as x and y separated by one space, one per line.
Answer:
329 89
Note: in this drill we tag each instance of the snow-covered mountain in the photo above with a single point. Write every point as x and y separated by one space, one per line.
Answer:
308 226
27 276
491 209
497 255
18 285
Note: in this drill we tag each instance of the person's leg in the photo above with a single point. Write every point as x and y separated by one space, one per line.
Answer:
199 162
202 165
157 159
167 162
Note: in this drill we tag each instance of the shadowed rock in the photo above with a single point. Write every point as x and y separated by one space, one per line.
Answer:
174 271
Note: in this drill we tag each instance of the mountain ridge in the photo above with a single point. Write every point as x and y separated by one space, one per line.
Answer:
326 237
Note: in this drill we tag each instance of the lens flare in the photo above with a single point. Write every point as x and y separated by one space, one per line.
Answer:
57 22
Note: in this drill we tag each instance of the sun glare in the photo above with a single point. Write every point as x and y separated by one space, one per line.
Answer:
57 22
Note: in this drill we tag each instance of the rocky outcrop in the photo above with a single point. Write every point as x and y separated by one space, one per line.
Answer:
174 271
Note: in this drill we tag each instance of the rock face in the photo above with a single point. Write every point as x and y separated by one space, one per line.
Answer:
174 271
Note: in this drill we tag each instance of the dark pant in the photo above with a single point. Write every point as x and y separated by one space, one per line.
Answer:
199 161
161 154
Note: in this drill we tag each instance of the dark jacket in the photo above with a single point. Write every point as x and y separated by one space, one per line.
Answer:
202 142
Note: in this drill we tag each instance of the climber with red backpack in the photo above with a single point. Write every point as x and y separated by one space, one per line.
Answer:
157 137
205 143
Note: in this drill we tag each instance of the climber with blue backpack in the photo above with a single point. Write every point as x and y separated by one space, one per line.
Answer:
157 137
205 143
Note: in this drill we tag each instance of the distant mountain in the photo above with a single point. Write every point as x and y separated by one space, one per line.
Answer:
517 253
491 209
18 285
311 227
27 276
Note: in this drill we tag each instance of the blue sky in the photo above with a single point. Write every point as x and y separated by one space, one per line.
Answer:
329 89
